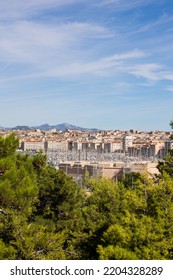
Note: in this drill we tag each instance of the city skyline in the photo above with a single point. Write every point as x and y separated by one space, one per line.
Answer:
104 64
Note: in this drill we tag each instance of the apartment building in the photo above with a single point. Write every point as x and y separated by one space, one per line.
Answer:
127 142
53 146
33 145
168 145
112 147
74 145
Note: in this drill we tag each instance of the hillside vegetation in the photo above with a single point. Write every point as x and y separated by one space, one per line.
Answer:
45 215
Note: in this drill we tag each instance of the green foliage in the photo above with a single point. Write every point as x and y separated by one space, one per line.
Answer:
39 161
8 145
131 179
167 164
44 214
59 196
40 207
130 223
171 124
115 253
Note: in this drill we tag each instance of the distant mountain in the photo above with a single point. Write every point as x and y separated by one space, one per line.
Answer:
21 127
46 126
62 126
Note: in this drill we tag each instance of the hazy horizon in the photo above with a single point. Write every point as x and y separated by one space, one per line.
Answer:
77 127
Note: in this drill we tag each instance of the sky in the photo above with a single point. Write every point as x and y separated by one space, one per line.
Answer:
105 64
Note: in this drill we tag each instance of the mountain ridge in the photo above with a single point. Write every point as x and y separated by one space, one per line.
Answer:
62 126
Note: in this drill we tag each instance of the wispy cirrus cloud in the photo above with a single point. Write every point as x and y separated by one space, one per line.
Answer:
104 66
45 44
18 9
111 63
163 22
122 5
151 71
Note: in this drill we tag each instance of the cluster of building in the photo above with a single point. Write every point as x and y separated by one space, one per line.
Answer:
109 170
133 143
109 153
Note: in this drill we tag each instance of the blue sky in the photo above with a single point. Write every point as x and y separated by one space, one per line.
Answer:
93 63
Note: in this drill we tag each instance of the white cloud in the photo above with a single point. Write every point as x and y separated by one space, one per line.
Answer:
109 65
41 45
151 71
65 49
113 62
127 55
19 9
168 76
122 5
170 88
163 22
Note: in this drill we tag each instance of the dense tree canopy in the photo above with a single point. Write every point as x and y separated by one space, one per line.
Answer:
44 214
167 164
39 207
